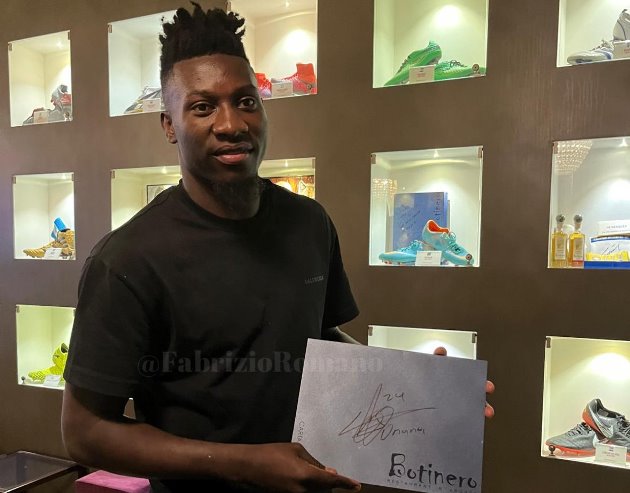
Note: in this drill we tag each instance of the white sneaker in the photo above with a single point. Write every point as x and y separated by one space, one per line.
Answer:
600 53
621 31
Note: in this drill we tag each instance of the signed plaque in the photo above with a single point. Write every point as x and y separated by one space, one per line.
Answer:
393 418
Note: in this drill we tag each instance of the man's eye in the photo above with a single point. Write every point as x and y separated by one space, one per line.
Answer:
248 103
202 108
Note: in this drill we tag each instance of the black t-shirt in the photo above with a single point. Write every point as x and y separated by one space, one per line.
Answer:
204 320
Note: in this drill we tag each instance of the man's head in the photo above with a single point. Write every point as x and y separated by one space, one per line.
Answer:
213 110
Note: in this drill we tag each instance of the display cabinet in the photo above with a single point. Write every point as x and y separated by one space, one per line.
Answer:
133 188
281 43
593 31
43 335
297 175
460 344
43 216
590 206
425 207
432 40
40 79
585 400
134 64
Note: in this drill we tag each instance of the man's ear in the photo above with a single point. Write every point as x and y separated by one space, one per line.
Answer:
167 125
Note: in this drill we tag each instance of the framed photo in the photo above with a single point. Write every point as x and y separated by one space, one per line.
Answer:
154 190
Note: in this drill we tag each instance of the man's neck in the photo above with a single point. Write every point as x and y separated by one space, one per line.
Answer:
213 201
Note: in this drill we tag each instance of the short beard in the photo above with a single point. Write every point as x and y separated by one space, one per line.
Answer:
237 196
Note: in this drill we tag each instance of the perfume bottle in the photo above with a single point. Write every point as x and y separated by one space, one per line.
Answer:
559 244
576 244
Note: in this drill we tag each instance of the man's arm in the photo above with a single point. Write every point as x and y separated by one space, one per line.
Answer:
96 433
338 335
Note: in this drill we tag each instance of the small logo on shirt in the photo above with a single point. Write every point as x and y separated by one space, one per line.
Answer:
313 280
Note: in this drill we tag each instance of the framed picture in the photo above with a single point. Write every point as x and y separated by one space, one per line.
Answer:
154 190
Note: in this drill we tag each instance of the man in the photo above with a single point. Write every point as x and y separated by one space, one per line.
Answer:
223 268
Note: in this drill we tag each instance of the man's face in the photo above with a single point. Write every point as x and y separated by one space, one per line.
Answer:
215 115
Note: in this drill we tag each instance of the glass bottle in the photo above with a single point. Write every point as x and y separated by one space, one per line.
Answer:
559 244
576 244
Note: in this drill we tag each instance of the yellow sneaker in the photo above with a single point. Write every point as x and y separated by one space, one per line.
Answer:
59 358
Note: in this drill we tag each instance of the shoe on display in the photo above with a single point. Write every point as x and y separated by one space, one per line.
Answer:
580 440
264 85
456 70
429 55
59 358
621 31
436 237
621 436
304 79
148 92
63 238
600 53
404 256
62 107
602 420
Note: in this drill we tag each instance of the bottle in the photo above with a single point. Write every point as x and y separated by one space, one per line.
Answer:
576 244
559 244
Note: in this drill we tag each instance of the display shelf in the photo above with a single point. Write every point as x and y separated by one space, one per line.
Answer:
40 79
297 175
425 207
134 64
591 178
432 40
577 372
460 344
43 335
281 44
133 188
593 31
38 201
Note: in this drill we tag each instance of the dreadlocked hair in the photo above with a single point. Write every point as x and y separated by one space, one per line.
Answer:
198 34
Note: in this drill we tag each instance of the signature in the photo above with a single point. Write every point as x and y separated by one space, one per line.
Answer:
376 423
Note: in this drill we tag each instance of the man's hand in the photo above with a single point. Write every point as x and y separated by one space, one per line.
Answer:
489 410
288 467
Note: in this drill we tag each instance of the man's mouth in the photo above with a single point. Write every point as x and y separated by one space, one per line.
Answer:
233 154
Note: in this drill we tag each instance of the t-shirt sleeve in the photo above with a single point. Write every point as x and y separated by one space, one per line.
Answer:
110 344
340 305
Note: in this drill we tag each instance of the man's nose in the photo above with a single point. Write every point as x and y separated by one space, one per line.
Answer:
229 121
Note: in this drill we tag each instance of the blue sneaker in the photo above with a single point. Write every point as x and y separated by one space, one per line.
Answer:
438 238
404 256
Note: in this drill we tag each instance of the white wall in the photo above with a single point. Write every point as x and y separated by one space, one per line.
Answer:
125 71
40 330
282 42
150 61
36 204
26 83
584 23
599 190
458 343
458 26
579 370
385 65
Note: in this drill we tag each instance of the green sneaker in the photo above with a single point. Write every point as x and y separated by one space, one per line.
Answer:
427 56
456 70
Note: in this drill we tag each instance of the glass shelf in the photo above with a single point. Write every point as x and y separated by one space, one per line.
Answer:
297 175
460 344
432 40
134 64
593 31
133 188
40 79
425 207
281 44
43 209
43 334
591 178
577 373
